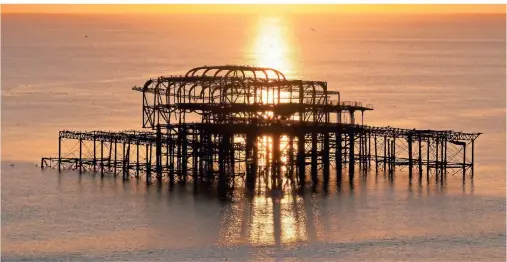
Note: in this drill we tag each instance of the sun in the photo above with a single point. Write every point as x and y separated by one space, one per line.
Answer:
272 47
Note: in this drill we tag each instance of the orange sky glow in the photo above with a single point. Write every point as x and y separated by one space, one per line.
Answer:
249 8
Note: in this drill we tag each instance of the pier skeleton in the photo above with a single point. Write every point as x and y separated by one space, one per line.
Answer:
221 123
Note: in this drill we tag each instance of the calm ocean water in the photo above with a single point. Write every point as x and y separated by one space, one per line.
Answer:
76 72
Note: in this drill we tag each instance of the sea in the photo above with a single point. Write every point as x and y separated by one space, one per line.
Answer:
424 71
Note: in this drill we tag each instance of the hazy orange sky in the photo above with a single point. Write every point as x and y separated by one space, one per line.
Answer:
392 8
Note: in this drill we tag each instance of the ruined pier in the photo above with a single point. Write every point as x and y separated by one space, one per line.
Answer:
243 124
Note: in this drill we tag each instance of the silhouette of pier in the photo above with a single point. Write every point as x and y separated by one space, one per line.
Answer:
235 124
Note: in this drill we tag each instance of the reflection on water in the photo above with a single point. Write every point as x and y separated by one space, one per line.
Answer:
372 206
295 217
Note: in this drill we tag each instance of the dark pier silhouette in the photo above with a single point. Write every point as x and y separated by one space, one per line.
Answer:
245 124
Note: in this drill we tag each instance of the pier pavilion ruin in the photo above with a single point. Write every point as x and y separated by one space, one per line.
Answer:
243 123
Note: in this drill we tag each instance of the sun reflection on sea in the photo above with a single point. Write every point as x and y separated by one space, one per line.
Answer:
265 221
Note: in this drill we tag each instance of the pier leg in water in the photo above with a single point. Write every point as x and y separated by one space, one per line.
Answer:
339 160
385 151
428 161
275 167
250 174
115 154
394 155
436 159
148 164
420 157
184 156
410 164
290 163
472 163
445 157
351 156
80 155
158 155
195 159
94 155
59 153
301 159
375 152
325 158
369 150
222 180
314 158
102 158
464 160
137 159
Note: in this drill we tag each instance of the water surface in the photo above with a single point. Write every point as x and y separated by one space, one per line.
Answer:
441 72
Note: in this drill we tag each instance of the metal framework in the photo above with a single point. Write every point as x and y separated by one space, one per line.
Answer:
243 123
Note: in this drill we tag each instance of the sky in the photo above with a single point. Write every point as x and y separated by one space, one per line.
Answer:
249 8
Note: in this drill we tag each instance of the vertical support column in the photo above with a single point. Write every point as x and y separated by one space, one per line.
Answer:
232 160
222 153
94 154
209 157
195 161
184 155
178 152
464 160
301 158
275 166
102 158
325 158
249 159
351 154
445 156
360 151
110 155
420 156
158 154
388 150
59 153
394 153
80 155
375 152
441 158
255 158
385 151
369 150
115 150
472 164
338 153
123 159
171 159
137 159
202 155
148 163
437 142
314 158
428 160
290 163
126 166
410 164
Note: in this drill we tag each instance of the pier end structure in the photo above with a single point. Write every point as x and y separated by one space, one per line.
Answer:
224 122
